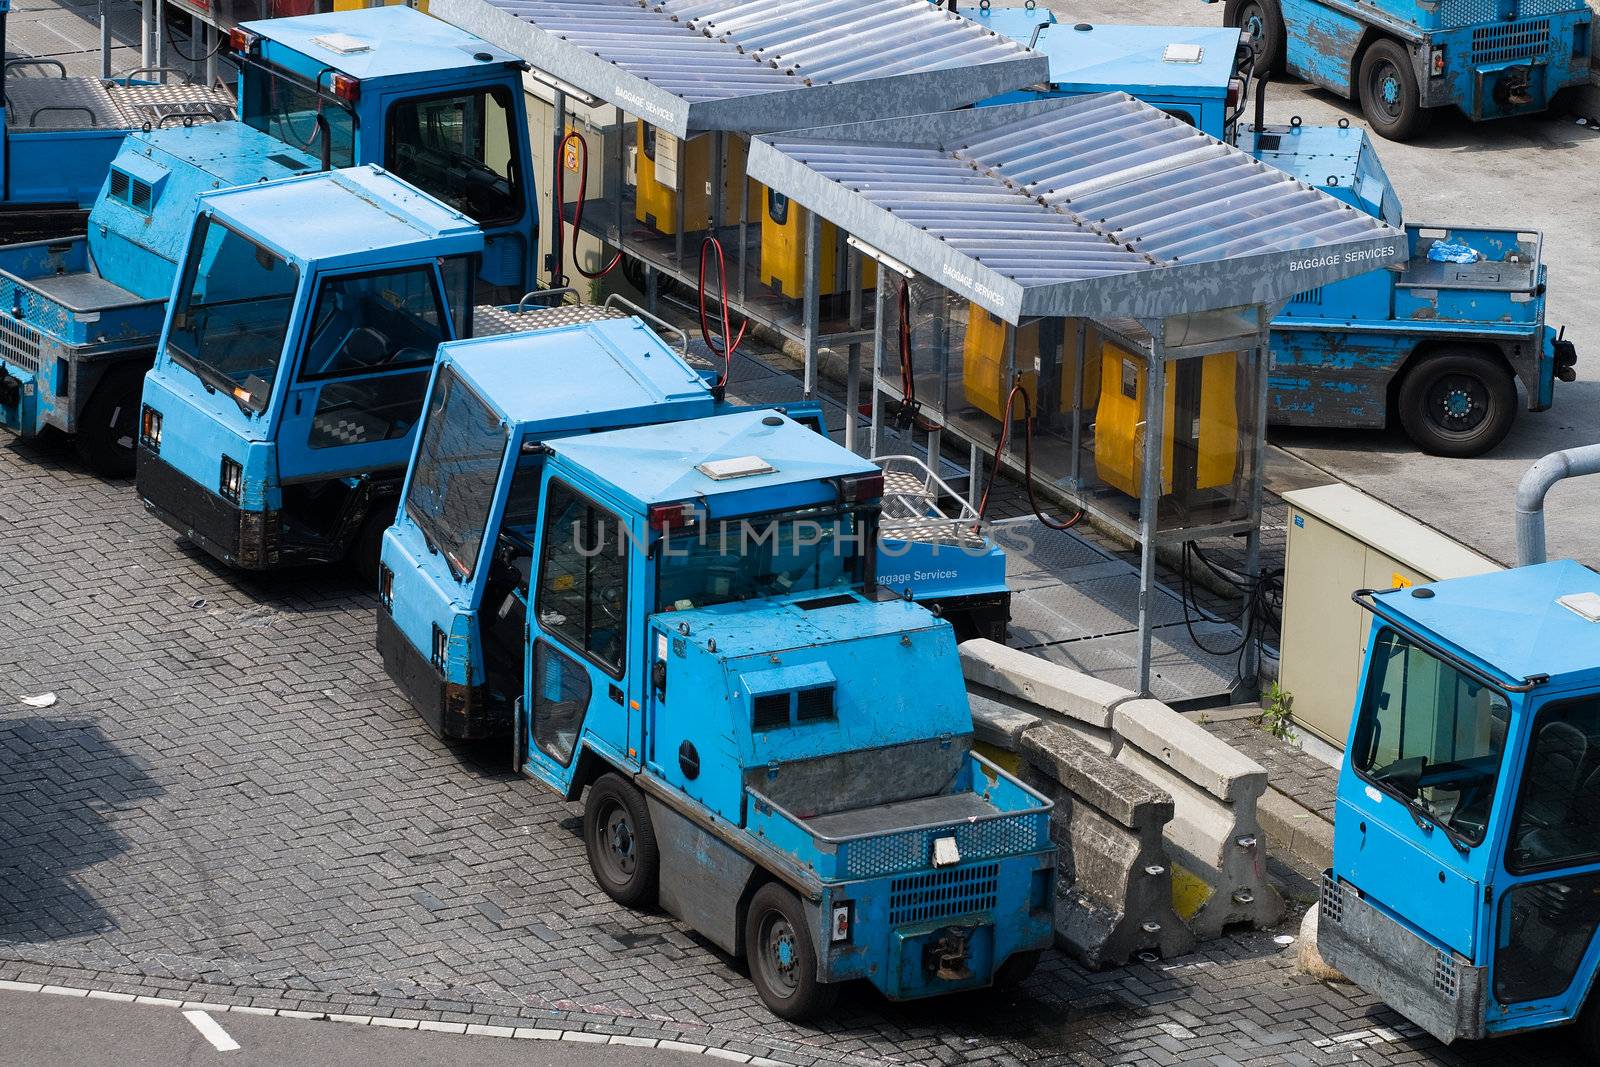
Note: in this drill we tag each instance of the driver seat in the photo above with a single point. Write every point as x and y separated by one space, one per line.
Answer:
1552 774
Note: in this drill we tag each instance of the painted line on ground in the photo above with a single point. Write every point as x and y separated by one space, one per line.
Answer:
199 1014
211 1030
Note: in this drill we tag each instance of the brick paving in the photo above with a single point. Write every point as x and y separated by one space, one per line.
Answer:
229 802
1291 770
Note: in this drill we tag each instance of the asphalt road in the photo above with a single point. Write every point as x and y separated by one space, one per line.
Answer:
1536 173
42 1030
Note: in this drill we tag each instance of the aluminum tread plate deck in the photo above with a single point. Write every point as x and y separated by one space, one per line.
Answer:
1099 206
82 290
494 321
751 65
77 103
1181 673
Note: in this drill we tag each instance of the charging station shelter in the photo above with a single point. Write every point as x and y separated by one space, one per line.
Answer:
1093 261
664 96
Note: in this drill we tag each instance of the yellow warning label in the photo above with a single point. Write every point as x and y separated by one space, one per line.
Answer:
1400 581
1189 893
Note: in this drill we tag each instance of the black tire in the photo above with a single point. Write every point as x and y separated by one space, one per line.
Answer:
1459 403
621 842
108 426
1264 21
783 961
367 548
1016 969
1388 91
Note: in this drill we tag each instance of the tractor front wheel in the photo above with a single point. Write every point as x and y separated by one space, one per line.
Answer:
1389 94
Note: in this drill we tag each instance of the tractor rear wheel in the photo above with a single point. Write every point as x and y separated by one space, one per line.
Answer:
1457 403
783 962
1263 21
1389 94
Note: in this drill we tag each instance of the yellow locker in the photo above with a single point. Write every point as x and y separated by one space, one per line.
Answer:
685 165
983 361
1207 431
783 250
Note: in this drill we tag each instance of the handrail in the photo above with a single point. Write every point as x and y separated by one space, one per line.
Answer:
618 300
522 305
1365 598
33 119
26 61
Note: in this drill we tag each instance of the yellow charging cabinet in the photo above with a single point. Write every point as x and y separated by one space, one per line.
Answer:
783 250
983 361
665 164
1210 430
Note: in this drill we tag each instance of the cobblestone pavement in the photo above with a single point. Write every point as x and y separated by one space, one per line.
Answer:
229 802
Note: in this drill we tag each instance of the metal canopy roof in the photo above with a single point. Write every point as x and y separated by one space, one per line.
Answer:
1100 206
741 65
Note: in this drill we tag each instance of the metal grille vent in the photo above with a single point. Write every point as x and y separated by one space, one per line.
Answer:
1312 297
1446 979
771 711
19 344
131 191
814 705
1511 41
1332 900
892 853
943 894
119 184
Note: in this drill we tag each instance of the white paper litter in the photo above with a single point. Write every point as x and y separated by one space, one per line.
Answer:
43 700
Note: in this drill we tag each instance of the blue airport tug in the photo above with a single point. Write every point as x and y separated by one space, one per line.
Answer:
1402 59
766 746
1465 888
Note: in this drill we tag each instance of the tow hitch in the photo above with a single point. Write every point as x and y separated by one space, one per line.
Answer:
947 957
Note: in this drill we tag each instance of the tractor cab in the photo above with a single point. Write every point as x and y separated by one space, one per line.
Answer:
294 359
1465 889
433 104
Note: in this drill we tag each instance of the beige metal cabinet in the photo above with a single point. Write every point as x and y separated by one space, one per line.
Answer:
1341 540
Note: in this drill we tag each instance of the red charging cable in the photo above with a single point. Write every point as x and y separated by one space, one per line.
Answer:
1027 463
577 212
729 347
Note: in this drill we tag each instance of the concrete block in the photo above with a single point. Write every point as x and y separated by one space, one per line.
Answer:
1218 850
1113 896
999 725
1051 686
1189 749
1297 829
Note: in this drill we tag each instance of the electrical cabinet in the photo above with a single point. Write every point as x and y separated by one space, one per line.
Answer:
1341 540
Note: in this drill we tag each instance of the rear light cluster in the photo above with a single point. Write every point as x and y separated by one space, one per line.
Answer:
1235 92
664 517
242 42
346 88
859 488
150 428
232 480
1436 61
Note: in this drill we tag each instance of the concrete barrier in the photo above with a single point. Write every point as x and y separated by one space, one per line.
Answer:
1212 849
1112 891
1218 850
1008 677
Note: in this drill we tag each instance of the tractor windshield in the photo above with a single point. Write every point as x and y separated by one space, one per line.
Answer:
457 465
232 313
1431 735
284 106
808 550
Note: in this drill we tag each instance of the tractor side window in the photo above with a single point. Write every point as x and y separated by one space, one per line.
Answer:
560 699
458 463
459 272
461 148
365 323
1431 735
583 578
1558 806
233 313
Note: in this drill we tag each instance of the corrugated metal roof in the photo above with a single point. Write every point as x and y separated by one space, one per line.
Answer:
1100 206
736 65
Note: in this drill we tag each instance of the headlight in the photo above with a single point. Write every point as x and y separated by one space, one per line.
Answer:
150 428
232 479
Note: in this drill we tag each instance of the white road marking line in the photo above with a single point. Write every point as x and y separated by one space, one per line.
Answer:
211 1031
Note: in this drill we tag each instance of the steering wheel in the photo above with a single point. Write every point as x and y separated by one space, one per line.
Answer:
612 602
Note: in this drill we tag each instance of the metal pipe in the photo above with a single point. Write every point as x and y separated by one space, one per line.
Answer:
1261 100
1540 479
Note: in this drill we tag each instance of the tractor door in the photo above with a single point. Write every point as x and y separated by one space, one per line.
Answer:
363 368
578 687
1547 900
